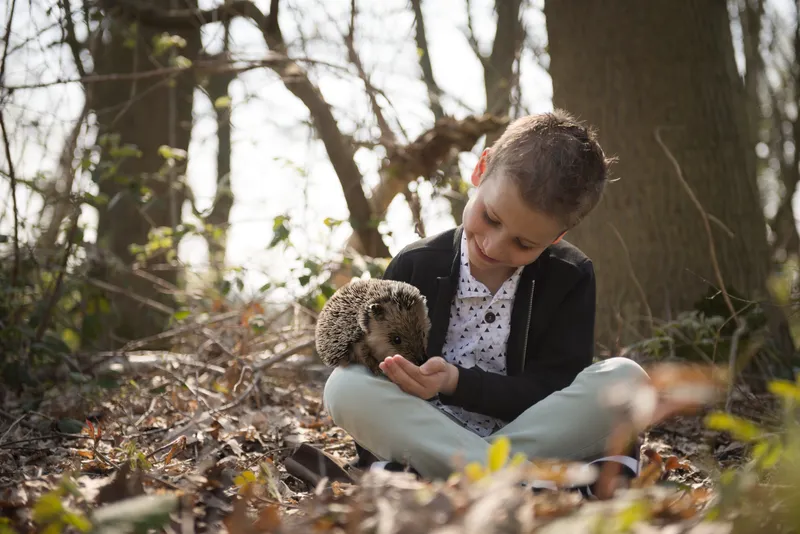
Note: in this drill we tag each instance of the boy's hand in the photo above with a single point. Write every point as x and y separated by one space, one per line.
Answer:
426 381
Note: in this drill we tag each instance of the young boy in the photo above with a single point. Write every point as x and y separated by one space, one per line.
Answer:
512 308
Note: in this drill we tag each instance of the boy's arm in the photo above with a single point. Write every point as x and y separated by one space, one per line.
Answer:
566 349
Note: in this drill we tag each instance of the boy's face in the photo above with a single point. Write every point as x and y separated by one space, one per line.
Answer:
502 232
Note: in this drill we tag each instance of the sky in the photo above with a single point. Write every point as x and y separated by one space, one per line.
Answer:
272 148
277 164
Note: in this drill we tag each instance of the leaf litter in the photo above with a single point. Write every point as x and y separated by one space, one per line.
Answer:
200 447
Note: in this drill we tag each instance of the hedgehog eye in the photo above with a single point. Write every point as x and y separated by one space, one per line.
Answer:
396 339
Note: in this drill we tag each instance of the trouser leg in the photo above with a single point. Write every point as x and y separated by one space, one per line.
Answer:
570 424
573 423
394 425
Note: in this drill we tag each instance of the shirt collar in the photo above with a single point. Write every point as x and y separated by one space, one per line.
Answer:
469 287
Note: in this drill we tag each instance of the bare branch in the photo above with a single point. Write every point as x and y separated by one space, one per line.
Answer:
70 39
185 18
473 41
13 184
48 310
387 135
11 174
200 67
434 92
7 42
60 206
499 69
706 223
412 198
426 154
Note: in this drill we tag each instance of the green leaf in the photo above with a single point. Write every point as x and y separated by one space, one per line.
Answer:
78 521
165 41
181 62
123 151
168 152
498 453
181 315
47 508
789 391
71 338
69 426
141 513
222 102
740 429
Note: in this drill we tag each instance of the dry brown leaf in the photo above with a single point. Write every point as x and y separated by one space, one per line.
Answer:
125 484
269 519
179 445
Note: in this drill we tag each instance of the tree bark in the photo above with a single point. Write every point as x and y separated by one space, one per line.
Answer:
629 70
219 217
146 113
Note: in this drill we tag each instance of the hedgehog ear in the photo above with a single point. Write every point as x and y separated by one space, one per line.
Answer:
371 311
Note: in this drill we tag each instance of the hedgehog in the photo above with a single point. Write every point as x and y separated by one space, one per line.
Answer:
365 321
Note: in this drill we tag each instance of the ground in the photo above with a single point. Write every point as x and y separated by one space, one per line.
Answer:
188 436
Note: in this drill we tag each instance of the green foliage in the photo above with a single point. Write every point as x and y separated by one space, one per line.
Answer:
51 514
165 42
763 493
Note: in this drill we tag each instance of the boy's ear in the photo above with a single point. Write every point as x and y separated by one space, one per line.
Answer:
560 237
480 168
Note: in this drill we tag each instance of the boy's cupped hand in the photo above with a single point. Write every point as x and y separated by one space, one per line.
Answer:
424 381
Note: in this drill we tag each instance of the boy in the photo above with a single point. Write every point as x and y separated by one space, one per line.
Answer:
512 309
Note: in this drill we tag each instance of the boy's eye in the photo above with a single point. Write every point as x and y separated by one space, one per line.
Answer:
489 219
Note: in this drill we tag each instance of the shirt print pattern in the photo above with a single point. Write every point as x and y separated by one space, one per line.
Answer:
477 335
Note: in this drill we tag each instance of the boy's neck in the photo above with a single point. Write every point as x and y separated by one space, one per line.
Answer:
492 278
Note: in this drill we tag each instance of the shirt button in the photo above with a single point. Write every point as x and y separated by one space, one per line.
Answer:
489 317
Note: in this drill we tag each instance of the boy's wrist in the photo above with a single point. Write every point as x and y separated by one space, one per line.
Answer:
451 382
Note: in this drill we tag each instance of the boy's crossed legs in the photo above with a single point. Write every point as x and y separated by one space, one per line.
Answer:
571 424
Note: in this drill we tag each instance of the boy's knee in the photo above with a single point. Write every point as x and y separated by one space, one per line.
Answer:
625 370
345 390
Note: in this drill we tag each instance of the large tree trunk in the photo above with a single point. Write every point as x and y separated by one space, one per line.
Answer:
629 70
147 112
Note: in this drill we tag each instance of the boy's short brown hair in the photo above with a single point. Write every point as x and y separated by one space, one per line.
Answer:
556 162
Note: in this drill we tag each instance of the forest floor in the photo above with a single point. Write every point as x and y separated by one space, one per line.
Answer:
175 443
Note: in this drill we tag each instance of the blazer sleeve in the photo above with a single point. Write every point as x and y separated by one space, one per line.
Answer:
564 351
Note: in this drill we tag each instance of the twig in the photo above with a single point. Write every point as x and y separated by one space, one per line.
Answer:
214 339
184 383
7 42
43 324
10 428
473 41
138 298
13 177
705 217
732 362
204 67
387 135
714 262
51 436
434 91
636 283
259 370
132 345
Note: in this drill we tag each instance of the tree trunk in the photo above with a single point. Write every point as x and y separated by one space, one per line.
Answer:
146 112
223 199
629 70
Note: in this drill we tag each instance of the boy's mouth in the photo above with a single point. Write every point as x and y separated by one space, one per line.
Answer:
484 257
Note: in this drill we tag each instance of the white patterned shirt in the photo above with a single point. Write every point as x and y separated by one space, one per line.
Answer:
477 335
